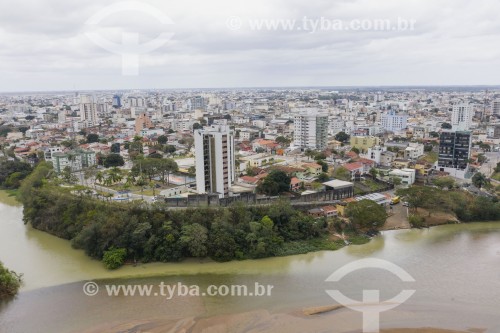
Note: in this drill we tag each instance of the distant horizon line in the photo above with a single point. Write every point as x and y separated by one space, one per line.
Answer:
255 88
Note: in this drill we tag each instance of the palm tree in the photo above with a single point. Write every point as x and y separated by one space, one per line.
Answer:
479 180
115 175
99 177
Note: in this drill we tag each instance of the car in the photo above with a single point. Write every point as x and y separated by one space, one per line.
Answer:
405 204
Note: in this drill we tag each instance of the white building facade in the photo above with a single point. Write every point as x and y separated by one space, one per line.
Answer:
215 160
461 117
311 130
393 122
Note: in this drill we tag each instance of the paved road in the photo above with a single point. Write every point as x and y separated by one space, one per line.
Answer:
488 167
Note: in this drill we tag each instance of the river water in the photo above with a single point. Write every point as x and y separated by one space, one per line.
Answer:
456 269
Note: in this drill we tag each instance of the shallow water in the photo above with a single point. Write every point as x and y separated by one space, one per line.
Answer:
456 270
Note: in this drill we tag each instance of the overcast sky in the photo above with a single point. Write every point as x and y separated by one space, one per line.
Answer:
45 44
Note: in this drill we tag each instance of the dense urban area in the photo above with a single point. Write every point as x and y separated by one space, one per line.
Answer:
144 176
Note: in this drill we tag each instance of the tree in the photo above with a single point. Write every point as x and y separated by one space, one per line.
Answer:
162 139
197 126
19 169
113 160
275 183
67 175
166 167
485 146
366 214
309 153
99 177
189 142
323 177
396 181
355 150
320 156
262 238
324 165
114 175
114 258
194 238
23 129
433 134
169 149
342 137
155 155
283 141
446 126
222 245
444 182
341 173
115 148
10 282
373 172
479 180
92 138
192 171
421 196
135 149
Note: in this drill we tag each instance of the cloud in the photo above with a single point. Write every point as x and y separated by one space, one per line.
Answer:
44 46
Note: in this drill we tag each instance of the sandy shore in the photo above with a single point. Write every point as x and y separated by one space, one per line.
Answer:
323 319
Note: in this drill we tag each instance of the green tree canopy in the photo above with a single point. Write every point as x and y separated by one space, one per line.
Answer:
342 137
10 282
114 258
275 183
92 138
444 182
479 180
113 160
366 214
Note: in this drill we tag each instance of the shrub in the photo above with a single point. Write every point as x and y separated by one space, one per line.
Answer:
416 221
10 282
114 258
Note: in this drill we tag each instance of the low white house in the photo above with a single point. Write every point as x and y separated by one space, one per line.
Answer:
407 175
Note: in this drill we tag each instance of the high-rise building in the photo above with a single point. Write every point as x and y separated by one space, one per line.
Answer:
88 111
117 101
495 107
142 122
454 152
461 117
215 162
311 130
393 122
197 102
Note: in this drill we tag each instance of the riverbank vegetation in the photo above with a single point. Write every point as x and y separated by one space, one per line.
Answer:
10 282
464 205
129 232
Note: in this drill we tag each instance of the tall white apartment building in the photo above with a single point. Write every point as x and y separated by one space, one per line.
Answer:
88 111
461 117
311 130
393 122
215 160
